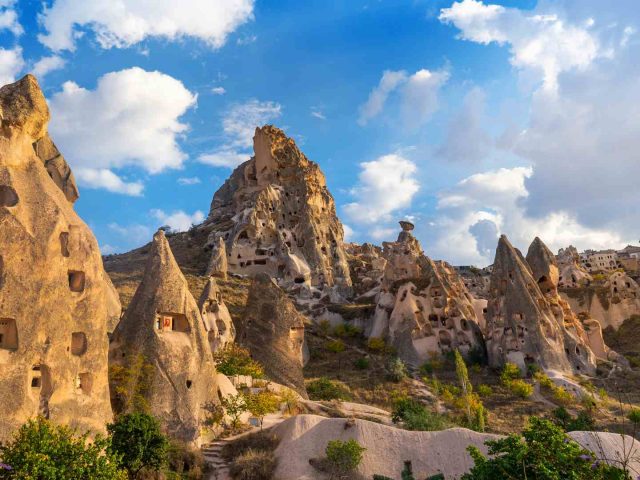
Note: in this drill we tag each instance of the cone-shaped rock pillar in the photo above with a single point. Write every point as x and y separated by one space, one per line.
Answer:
216 316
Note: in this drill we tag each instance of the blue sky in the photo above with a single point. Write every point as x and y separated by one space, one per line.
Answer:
471 118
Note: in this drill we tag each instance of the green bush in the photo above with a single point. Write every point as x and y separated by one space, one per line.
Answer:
543 452
261 441
335 346
235 360
253 465
139 443
583 422
362 363
520 388
376 344
484 390
42 450
510 372
346 330
184 461
414 416
634 416
344 457
325 389
396 370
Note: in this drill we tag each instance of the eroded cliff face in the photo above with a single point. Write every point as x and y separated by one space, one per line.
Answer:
571 273
273 331
56 301
275 215
423 307
215 315
163 330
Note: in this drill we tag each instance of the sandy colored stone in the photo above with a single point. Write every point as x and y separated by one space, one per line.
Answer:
276 216
218 265
164 325
56 301
572 273
215 315
273 331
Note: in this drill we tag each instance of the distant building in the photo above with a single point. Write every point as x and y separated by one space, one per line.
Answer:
629 259
599 261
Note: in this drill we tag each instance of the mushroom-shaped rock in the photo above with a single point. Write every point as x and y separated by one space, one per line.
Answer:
279 196
273 331
216 316
162 331
521 327
56 300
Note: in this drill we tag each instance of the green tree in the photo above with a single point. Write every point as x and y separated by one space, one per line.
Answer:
344 457
138 441
235 360
40 450
543 452
337 347
465 385
234 405
130 385
262 403
396 370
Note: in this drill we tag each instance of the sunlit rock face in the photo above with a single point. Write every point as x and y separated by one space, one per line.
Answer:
571 273
273 331
423 308
164 330
56 301
275 215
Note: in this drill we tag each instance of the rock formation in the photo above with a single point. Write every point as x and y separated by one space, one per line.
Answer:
56 301
423 307
163 326
572 274
523 327
367 267
276 216
273 331
218 265
216 317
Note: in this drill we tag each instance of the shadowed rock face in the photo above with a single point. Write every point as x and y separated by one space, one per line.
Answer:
273 331
276 215
56 301
163 324
521 326
216 317
423 307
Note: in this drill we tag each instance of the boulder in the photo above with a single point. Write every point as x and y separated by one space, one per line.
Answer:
275 215
215 315
273 331
56 301
164 330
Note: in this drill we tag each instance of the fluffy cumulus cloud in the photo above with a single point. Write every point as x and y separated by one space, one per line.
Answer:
238 126
473 213
178 220
385 185
541 42
47 64
105 179
131 118
582 133
11 64
9 17
122 23
417 95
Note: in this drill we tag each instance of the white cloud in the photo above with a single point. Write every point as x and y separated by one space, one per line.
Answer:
238 127
107 249
348 232
131 118
107 180
480 207
189 181
218 90
9 18
542 43
47 64
318 114
134 234
11 64
418 95
123 23
178 220
385 185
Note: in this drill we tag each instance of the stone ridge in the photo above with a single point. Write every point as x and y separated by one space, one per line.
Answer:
163 325
276 215
56 301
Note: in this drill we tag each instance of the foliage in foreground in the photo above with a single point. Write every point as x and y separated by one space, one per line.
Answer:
543 452
344 457
253 465
42 450
138 442
235 360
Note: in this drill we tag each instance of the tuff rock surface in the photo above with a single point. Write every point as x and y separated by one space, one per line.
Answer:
273 331
163 324
56 301
571 272
215 315
423 307
275 215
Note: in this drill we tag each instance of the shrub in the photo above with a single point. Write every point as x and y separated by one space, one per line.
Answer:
130 385
414 416
253 465
543 452
634 416
362 363
336 346
234 406
185 461
261 441
376 344
139 443
324 327
520 388
510 372
562 396
344 457
346 330
484 390
235 360
325 389
262 403
42 450
396 370
290 400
